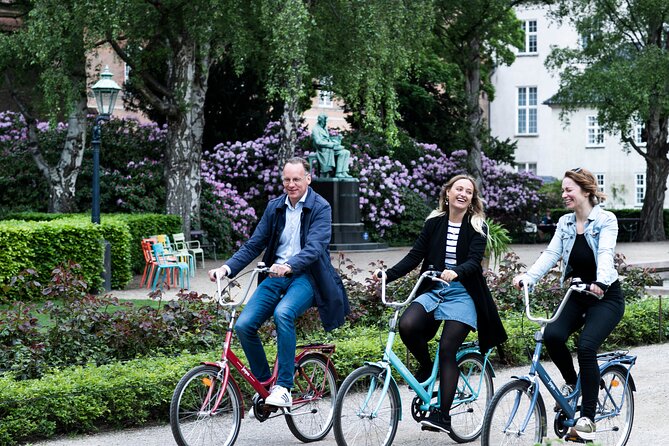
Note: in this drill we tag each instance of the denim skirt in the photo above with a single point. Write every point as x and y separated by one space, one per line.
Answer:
449 303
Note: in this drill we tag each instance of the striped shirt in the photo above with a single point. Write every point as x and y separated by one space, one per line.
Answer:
452 243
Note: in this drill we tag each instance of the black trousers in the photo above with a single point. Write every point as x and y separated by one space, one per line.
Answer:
598 317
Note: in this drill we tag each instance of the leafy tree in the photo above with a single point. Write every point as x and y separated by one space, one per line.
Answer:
476 35
360 49
623 71
43 63
170 46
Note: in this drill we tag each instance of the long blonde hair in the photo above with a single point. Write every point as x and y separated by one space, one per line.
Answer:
475 209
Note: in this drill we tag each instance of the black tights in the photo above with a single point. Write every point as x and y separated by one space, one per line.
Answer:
417 327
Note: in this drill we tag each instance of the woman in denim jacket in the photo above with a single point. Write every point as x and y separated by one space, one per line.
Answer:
585 241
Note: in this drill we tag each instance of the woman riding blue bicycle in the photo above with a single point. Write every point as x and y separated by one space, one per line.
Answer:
585 241
453 241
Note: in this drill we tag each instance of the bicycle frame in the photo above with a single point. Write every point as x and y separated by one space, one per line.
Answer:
228 357
390 360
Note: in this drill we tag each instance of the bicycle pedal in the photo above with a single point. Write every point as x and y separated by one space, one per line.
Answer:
429 429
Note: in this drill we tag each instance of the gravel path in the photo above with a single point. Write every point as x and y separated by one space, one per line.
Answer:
650 421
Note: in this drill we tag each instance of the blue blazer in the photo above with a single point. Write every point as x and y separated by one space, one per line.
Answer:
313 259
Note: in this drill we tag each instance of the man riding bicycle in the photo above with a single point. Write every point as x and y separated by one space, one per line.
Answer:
294 233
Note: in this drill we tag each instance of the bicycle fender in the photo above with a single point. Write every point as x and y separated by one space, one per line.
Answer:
382 368
627 372
231 382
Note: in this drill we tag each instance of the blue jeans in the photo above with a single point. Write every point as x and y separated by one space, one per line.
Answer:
286 298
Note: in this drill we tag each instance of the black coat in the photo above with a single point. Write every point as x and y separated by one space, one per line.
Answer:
430 249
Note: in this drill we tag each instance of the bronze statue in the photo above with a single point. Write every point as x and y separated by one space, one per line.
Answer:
330 153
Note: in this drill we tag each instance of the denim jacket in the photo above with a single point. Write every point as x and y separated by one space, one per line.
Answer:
601 231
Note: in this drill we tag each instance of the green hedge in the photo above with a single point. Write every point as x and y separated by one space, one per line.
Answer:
82 399
42 241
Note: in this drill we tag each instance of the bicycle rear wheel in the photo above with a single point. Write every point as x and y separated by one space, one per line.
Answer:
615 408
508 410
474 391
363 415
314 393
191 418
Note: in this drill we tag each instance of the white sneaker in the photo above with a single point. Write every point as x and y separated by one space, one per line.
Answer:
252 413
585 428
279 397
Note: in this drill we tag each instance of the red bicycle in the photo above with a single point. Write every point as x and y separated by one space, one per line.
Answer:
207 405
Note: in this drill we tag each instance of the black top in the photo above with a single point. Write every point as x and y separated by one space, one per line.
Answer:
582 260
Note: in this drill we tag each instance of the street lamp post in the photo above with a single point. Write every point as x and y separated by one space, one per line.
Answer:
105 91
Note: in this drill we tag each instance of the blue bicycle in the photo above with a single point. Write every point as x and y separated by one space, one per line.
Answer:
368 405
517 413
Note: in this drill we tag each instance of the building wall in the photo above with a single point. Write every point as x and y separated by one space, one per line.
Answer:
558 146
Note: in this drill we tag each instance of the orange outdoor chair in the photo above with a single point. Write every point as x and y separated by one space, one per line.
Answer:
165 266
150 265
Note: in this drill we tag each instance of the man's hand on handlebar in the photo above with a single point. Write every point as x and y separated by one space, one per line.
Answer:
218 272
280 270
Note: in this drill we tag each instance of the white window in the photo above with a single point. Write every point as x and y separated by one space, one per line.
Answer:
637 134
526 167
325 99
639 188
601 184
126 72
530 30
595 132
527 111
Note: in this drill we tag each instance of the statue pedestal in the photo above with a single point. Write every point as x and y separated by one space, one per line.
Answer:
348 232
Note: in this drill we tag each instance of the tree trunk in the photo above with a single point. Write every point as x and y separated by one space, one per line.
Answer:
474 114
651 227
184 139
290 121
62 178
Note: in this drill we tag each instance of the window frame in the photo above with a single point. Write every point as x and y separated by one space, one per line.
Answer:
639 188
530 37
531 110
594 134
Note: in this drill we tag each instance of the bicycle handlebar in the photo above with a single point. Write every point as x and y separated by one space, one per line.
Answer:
260 268
576 285
429 274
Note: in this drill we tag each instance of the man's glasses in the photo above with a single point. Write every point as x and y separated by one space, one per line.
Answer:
296 181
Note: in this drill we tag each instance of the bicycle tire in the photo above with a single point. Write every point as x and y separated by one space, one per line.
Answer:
508 410
191 425
314 391
475 379
614 430
358 396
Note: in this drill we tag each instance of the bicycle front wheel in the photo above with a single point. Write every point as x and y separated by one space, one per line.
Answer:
192 418
363 414
314 393
615 408
509 410
472 395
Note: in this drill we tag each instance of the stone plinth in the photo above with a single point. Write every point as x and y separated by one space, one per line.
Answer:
348 232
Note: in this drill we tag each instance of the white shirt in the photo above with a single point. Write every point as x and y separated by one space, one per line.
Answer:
289 242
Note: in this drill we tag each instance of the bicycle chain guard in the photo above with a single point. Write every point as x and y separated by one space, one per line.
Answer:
416 412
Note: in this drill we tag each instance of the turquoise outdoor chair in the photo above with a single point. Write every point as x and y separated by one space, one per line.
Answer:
167 266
